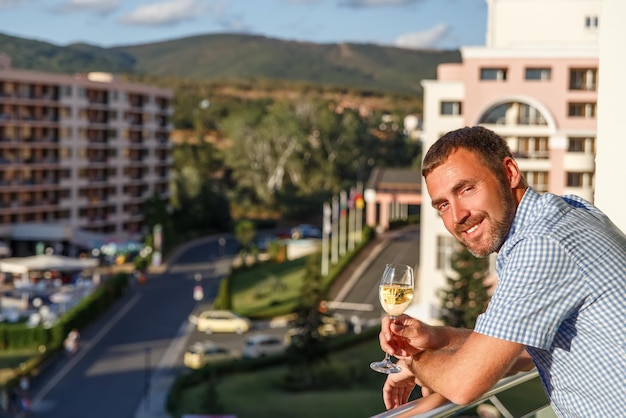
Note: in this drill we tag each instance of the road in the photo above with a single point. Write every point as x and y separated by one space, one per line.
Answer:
146 333
109 375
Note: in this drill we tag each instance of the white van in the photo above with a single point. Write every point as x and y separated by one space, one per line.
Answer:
262 345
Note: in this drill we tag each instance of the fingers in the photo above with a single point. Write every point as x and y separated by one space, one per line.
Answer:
398 387
404 336
394 396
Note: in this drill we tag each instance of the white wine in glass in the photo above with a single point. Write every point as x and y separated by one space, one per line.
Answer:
395 293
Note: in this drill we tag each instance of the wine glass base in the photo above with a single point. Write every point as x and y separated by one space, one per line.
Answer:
385 367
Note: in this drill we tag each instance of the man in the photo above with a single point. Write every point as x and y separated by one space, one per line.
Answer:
560 302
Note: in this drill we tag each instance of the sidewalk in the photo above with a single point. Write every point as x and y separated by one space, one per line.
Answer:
153 404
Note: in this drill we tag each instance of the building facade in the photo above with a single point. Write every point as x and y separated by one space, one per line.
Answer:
534 83
79 156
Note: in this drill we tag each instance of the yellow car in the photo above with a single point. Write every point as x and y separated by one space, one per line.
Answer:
201 353
222 321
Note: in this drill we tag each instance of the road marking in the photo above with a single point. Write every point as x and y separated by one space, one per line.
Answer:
366 307
85 349
358 272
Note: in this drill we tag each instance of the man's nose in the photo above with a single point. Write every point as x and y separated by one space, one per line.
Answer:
459 213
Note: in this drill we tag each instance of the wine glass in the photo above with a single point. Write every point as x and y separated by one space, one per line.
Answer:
395 293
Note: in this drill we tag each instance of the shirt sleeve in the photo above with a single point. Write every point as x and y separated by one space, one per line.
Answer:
539 286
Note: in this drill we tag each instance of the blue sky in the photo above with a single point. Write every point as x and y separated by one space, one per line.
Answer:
438 24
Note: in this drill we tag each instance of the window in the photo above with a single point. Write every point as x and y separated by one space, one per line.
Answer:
591 22
581 110
498 74
529 115
575 179
581 144
513 113
445 247
529 147
450 108
585 145
576 145
540 74
583 78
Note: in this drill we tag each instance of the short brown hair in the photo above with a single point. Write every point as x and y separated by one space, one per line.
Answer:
488 146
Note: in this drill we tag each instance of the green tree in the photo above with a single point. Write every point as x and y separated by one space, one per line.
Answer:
245 231
199 202
465 296
263 156
223 299
155 212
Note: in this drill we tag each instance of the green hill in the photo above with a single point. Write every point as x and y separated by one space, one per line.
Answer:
226 57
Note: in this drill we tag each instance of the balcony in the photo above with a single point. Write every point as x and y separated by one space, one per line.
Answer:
493 403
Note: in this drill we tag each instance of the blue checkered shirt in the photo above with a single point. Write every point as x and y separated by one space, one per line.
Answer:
562 293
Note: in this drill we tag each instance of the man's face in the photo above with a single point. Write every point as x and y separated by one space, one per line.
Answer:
476 208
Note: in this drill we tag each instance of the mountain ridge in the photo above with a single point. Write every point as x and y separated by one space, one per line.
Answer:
235 57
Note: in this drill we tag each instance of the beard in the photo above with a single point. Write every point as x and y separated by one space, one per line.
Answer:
497 232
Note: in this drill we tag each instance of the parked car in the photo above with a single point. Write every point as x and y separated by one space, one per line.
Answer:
262 345
201 353
222 321
306 231
330 326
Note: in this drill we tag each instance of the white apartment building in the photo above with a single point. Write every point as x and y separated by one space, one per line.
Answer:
534 83
79 155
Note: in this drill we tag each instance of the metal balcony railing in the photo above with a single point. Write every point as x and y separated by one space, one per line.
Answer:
420 408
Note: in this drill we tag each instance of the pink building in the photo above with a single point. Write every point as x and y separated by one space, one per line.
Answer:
534 83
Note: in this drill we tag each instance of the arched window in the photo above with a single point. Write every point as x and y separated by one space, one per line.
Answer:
513 113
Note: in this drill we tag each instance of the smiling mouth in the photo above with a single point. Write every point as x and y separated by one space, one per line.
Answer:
469 232
472 229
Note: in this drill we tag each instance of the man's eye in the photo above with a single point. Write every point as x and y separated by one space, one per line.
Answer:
442 207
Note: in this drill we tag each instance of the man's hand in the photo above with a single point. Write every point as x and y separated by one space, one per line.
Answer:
398 386
404 337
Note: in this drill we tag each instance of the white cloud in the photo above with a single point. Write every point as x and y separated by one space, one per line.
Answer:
430 38
165 13
227 21
97 6
233 24
360 4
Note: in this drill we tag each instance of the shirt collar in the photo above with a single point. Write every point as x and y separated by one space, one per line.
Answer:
525 210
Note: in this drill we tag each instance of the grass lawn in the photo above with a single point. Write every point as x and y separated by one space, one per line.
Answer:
268 288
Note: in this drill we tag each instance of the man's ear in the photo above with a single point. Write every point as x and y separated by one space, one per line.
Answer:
512 172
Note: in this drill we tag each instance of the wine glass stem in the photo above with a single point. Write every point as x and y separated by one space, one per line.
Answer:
387 356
